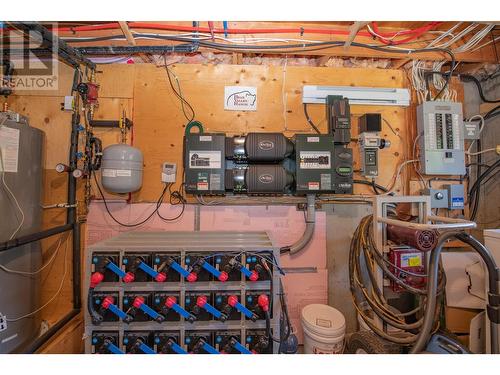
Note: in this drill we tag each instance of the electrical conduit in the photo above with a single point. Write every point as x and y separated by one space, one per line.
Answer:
303 241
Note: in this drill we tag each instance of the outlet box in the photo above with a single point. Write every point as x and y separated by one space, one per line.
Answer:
439 197
455 196
471 130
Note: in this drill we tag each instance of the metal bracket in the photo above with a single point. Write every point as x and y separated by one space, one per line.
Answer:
303 206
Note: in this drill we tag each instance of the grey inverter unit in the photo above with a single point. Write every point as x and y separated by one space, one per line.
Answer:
315 169
204 163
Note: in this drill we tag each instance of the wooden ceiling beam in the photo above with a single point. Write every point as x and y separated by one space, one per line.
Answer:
127 33
484 55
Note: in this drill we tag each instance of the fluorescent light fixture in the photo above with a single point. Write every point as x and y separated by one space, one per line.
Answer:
357 95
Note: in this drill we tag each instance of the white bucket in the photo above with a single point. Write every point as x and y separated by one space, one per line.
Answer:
324 329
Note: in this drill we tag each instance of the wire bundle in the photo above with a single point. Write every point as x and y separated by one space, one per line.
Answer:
363 247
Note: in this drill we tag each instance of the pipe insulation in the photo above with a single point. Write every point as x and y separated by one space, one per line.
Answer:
306 237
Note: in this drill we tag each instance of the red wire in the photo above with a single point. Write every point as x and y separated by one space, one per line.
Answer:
416 33
154 26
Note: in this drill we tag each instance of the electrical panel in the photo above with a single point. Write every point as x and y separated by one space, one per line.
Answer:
204 163
183 292
314 162
441 130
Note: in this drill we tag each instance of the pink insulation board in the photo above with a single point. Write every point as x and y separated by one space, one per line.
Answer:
284 224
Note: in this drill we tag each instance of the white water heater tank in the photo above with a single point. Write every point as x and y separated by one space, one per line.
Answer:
121 169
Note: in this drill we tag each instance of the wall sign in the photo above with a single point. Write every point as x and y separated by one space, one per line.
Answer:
240 98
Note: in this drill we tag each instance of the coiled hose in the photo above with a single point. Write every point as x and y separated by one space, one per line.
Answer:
363 246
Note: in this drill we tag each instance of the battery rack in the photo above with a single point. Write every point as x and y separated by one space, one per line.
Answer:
182 292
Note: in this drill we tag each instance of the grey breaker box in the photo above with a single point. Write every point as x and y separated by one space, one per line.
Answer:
204 163
170 314
314 162
441 129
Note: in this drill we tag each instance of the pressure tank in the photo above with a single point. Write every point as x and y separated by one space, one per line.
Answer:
121 170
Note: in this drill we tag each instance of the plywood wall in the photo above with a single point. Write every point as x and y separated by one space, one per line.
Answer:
143 91
159 122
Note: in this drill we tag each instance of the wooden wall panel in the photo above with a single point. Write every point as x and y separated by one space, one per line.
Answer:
143 91
159 122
